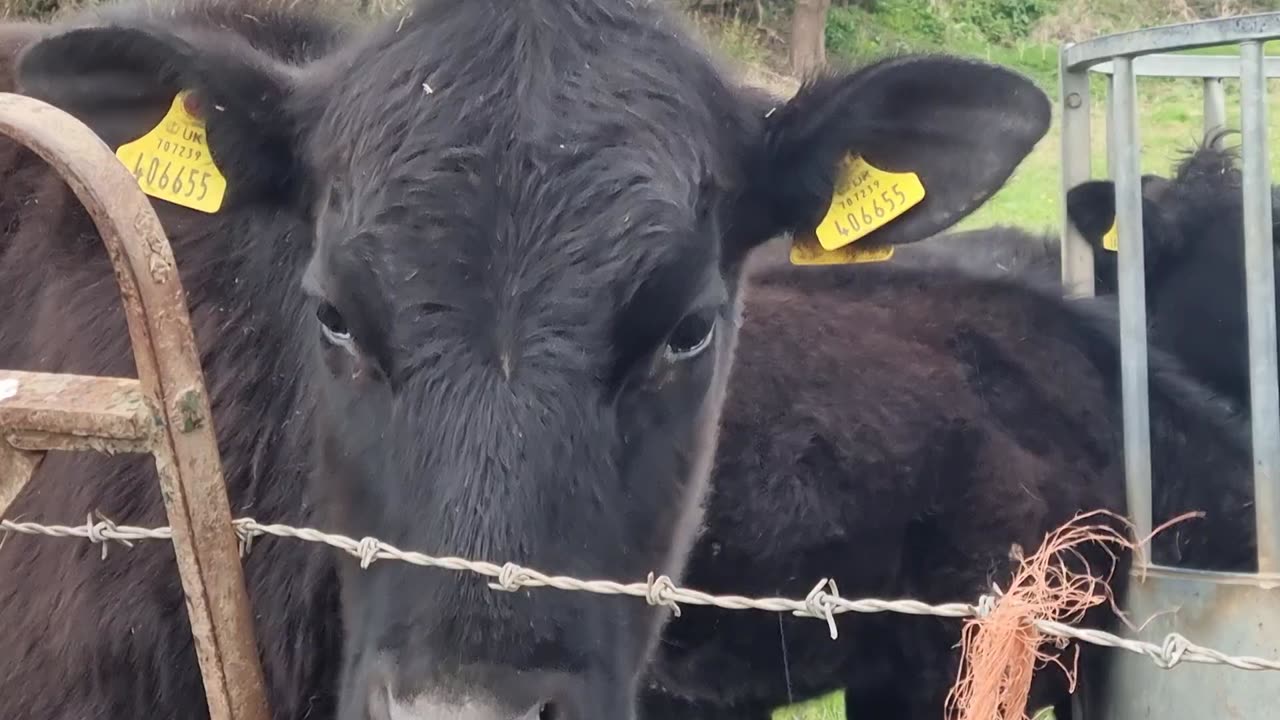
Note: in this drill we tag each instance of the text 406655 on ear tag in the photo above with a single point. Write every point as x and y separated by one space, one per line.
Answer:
1111 239
172 161
866 199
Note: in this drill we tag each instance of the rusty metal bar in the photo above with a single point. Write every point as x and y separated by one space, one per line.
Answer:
170 380
107 408
16 468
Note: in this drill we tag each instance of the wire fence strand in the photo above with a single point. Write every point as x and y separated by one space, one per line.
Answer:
823 602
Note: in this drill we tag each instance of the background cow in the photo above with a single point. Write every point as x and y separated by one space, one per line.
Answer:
1193 240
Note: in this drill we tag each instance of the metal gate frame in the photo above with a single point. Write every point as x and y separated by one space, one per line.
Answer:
164 413
1235 612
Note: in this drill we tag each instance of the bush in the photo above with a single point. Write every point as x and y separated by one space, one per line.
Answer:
999 21
893 26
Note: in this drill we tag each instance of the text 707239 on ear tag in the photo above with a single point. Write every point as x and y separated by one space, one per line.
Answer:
172 162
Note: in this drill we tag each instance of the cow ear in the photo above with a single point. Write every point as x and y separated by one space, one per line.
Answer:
121 81
1091 208
960 126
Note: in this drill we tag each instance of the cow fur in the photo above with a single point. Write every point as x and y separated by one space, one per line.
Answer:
945 419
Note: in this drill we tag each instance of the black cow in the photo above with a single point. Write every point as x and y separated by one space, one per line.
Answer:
944 419
473 290
1193 242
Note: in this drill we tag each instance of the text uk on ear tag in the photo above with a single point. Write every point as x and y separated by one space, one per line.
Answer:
172 161
865 200
1111 240
805 250
827 707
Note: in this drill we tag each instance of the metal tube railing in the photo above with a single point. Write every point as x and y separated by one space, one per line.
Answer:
1260 294
1077 254
1124 57
1133 306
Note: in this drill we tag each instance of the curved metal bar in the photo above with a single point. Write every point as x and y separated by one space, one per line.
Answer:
1188 66
1167 38
169 371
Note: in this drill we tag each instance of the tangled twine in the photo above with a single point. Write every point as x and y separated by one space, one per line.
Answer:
1002 648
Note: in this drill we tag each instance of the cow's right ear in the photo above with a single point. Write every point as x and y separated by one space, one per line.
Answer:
121 81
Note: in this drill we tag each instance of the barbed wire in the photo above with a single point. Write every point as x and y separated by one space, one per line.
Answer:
823 602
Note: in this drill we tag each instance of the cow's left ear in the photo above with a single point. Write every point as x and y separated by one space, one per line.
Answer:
960 126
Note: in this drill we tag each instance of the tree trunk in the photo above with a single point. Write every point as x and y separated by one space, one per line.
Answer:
808 36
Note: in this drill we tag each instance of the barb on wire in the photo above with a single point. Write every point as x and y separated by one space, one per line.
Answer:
823 602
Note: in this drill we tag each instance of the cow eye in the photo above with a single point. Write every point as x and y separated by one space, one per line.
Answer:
332 326
692 336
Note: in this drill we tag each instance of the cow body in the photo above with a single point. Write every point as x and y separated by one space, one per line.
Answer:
946 420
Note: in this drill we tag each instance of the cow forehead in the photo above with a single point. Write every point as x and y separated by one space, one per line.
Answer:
539 74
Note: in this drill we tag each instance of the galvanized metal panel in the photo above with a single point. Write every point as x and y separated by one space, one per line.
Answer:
1239 614
1260 294
1189 66
1215 106
1132 299
1076 158
1183 36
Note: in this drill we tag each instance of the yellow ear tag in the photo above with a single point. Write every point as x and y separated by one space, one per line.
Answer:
827 707
1111 240
865 200
172 162
805 250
